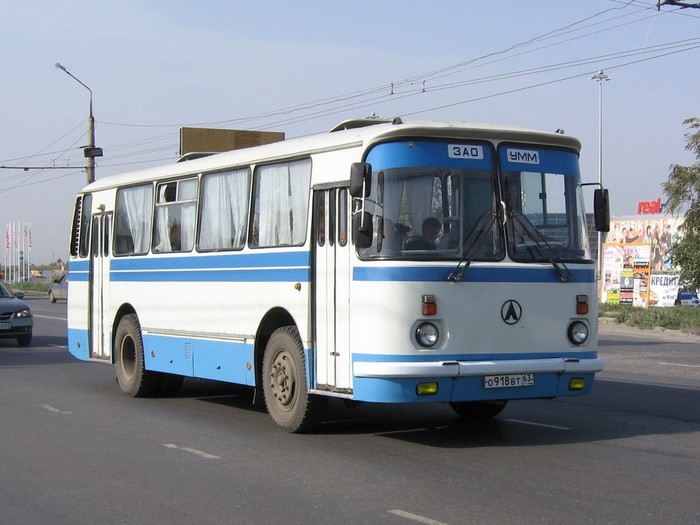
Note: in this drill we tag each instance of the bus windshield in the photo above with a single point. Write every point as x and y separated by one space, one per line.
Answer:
545 218
434 200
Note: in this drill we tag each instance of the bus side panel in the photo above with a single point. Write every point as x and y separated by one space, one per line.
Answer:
207 359
77 309
78 343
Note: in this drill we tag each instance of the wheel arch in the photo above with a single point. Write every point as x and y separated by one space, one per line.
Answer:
123 310
275 318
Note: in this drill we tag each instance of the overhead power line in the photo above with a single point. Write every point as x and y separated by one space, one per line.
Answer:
421 84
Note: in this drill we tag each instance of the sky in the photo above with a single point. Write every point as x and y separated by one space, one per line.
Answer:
301 67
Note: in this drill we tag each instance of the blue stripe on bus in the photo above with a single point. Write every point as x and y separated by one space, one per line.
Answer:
474 274
257 267
217 261
188 275
79 266
406 154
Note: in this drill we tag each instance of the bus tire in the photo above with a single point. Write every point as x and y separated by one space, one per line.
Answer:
285 389
478 409
132 376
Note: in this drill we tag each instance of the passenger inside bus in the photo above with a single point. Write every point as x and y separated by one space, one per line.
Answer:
429 235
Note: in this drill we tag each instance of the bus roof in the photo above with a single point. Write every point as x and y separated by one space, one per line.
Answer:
355 133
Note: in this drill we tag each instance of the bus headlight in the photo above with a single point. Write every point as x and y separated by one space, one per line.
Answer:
427 335
578 332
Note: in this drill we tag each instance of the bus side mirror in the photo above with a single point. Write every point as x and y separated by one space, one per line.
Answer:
362 229
601 210
360 179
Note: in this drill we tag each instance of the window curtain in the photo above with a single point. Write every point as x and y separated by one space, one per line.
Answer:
162 231
224 206
136 205
282 207
419 192
188 217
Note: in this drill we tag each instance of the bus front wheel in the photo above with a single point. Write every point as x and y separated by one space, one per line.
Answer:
478 409
285 390
132 376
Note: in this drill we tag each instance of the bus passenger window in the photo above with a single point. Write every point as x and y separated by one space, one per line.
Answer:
320 215
343 217
282 203
132 220
224 210
331 218
176 212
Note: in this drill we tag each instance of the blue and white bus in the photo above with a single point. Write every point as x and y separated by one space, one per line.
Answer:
383 261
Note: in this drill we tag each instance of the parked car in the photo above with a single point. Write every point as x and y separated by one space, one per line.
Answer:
16 321
687 298
59 289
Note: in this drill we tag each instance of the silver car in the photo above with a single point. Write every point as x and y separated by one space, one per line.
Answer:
16 321
59 289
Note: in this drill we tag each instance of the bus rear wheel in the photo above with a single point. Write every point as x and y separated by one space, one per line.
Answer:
285 389
478 409
132 376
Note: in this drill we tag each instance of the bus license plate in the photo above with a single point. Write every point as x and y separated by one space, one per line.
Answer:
509 381
5 326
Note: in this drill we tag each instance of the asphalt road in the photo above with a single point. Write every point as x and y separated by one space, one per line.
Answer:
75 450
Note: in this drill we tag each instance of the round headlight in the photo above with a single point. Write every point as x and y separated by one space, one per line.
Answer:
427 334
578 332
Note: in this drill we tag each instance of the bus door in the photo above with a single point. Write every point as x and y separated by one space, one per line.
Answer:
100 346
332 289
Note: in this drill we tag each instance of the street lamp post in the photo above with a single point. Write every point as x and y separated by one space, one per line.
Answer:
89 151
600 77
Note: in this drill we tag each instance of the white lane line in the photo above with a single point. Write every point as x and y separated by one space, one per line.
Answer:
416 517
679 364
51 317
533 424
55 410
191 451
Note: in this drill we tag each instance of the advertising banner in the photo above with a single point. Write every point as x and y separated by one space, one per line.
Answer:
626 272
664 289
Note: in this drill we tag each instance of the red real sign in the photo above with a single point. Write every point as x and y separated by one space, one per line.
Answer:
646 207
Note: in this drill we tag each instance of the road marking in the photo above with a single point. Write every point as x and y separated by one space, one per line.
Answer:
533 424
416 517
51 317
55 410
679 364
191 451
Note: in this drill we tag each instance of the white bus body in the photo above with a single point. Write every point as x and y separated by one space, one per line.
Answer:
284 267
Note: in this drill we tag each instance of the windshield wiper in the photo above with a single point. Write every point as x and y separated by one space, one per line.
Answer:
478 231
538 242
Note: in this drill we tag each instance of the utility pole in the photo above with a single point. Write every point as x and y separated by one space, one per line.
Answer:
89 151
600 77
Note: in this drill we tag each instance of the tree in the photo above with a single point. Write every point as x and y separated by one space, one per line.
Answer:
683 192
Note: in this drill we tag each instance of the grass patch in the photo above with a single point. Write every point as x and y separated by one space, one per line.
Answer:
685 318
30 286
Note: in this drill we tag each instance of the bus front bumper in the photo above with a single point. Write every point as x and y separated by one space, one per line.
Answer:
398 382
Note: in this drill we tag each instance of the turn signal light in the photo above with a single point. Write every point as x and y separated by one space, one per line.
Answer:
426 389
429 306
577 383
581 304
